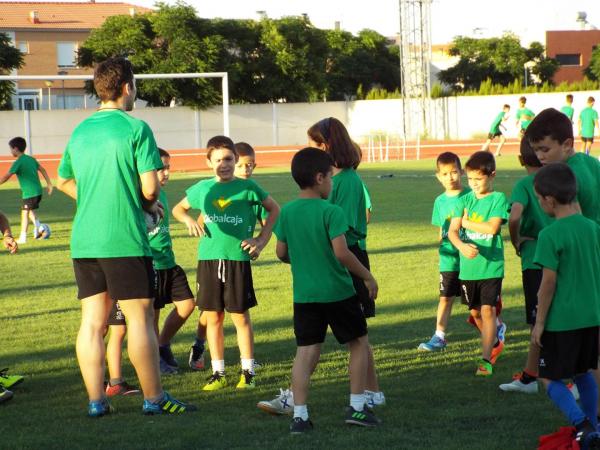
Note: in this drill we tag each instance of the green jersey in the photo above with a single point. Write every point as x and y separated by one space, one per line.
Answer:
228 210
489 263
106 154
525 116
318 276
26 170
443 211
588 117
160 240
348 193
495 127
568 111
362 244
571 247
533 219
587 173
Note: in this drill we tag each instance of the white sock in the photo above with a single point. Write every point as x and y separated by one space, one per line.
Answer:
248 364
498 322
440 334
37 224
301 411
23 235
218 365
357 401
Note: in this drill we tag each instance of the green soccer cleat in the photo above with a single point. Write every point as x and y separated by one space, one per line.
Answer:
247 380
8 381
215 382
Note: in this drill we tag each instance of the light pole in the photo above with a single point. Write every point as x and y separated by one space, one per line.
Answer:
63 72
49 84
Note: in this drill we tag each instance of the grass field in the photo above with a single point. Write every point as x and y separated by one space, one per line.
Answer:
433 400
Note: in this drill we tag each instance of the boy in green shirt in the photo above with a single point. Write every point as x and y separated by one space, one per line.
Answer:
568 110
481 213
324 293
524 116
588 122
26 168
568 315
495 131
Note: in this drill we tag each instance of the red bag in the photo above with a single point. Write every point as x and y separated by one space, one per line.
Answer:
563 439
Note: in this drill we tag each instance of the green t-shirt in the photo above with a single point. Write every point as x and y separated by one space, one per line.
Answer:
495 127
160 240
571 247
362 244
318 276
489 263
229 216
533 219
443 211
588 117
348 193
587 173
568 111
26 170
525 115
105 155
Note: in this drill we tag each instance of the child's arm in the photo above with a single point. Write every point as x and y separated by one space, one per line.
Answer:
180 212
68 186
255 245
49 186
8 241
468 250
5 177
492 226
514 224
281 250
351 262
545 296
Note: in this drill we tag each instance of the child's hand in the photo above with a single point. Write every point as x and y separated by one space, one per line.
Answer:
469 250
50 189
10 244
193 228
536 334
253 246
372 287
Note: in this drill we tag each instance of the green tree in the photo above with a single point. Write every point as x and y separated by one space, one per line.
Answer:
593 70
10 59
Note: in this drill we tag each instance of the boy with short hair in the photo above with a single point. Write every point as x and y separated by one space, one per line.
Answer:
525 222
481 213
568 313
324 294
495 131
588 122
524 116
224 273
26 168
568 110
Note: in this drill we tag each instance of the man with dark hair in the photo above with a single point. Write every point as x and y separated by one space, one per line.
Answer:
588 122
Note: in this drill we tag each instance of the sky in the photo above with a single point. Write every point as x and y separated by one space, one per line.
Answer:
449 18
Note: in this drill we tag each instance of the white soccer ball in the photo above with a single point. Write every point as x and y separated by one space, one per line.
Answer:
44 231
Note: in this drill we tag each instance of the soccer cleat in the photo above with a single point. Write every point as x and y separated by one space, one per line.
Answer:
196 358
168 405
122 388
5 395
8 381
496 351
364 418
282 404
166 369
215 382
501 332
587 436
435 344
299 426
167 355
516 385
247 380
374 398
99 408
484 369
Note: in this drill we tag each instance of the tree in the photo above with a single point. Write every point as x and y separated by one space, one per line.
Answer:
10 59
593 70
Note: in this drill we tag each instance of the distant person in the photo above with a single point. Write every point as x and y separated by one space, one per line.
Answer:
568 110
495 131
26 169
588 122
524 116
110 167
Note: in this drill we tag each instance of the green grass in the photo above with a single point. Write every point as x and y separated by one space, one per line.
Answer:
434 400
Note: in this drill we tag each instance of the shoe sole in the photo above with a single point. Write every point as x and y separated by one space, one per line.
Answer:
359 423
510 389
273 411
431 350
213 389
197 368
16 383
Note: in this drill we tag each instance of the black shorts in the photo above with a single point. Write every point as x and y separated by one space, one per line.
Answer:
565 354
345 318
493 135
124 278
587 139
362 293
449 284
31 203
225 285
171 286
532 278
116 316
476 293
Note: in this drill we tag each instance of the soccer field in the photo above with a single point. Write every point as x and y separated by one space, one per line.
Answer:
433 400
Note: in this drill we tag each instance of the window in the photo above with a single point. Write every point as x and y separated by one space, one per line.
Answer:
24 47
569 59
66 54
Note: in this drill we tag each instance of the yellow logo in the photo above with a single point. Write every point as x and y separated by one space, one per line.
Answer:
221 203
476 217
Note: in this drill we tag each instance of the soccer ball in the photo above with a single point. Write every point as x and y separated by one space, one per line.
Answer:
152 221
44 231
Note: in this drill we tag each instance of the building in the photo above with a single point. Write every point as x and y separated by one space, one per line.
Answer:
49 34
573 50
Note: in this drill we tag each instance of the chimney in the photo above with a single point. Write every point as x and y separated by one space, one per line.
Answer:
132 12
34 17
92 1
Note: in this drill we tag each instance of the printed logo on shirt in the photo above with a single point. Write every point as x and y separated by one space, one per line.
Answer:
221 203
223 218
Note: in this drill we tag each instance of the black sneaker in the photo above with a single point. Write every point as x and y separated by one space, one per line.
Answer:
587 436
364 418
196 357
299 426
167 355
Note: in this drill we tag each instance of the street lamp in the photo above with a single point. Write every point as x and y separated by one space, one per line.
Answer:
49 84
63 72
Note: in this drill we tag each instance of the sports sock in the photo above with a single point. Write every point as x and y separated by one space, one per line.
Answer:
301 411
526 378
248 364
115 381
156 400
588 396
37 223
218 365
564 400
199 342
357 401
440 334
